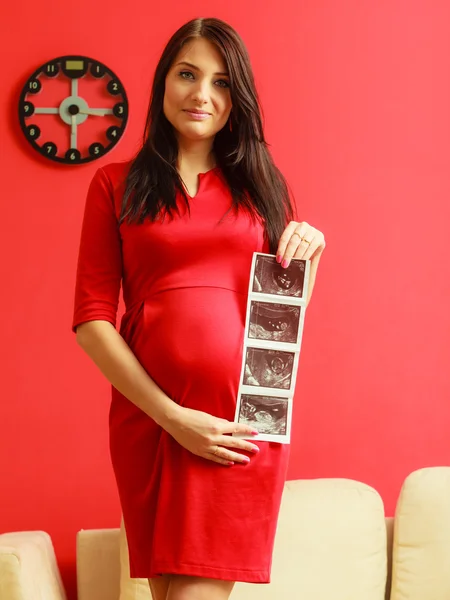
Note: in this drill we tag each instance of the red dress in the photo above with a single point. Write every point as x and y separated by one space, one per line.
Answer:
185 286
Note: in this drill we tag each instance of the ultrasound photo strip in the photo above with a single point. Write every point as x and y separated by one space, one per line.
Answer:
273 331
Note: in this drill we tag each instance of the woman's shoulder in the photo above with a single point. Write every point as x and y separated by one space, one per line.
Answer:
112 179
117 172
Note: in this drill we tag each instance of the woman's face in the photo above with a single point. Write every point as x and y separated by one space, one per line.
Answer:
197 81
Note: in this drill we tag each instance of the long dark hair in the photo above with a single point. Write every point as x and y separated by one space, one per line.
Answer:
241 152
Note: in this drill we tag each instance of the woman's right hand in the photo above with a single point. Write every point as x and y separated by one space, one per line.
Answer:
205 435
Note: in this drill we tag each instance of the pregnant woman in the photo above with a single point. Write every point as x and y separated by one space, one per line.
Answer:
177 227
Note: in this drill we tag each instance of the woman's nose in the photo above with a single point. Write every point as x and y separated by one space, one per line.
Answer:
201 93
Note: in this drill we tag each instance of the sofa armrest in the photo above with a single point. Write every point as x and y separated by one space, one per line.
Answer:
28 567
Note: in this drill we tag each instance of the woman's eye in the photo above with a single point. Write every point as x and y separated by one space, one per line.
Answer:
188 75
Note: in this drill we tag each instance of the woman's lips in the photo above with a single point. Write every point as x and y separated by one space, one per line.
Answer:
197 116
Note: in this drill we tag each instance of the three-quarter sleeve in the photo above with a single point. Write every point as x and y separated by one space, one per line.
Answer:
99 268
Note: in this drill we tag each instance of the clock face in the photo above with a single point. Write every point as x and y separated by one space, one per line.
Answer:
73 109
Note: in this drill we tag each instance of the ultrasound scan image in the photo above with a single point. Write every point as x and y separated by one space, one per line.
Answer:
266 413
275 322
271 278
268 368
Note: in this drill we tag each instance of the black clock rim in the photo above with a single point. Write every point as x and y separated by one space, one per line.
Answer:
23 99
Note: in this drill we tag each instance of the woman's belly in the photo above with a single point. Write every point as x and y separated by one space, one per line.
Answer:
190 340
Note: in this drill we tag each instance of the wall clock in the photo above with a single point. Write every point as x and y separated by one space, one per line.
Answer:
73 109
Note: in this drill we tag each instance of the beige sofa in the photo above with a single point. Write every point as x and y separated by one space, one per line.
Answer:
333 543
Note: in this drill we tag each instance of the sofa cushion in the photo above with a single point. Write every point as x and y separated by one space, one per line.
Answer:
330 543
421 550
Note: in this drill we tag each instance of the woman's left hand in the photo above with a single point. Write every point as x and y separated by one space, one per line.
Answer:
299 240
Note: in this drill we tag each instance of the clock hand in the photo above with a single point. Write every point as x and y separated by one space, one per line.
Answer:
95 112
73 133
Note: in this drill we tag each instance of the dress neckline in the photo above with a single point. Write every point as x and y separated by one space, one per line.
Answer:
201 176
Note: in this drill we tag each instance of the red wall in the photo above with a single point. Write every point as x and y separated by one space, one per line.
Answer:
356 96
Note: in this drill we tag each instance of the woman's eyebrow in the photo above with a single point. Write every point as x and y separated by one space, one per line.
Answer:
196 68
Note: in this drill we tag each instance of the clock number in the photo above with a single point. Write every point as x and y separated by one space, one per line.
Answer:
72 155
34 86
27 109
119 110
112 133
33 132
51 69
96 150
50 149
97 70
114 87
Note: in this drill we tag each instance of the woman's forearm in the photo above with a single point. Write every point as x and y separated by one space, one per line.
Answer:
112 355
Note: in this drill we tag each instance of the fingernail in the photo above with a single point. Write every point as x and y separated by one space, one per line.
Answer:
255 449
285 263
255 432
246 459
278 258
230 463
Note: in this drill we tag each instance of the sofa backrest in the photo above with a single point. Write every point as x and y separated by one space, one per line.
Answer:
98 564
331 543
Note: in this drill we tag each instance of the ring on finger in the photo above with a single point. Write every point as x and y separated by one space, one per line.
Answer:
216 450
304 240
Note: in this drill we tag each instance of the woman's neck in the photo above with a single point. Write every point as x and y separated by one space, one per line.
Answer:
195 156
